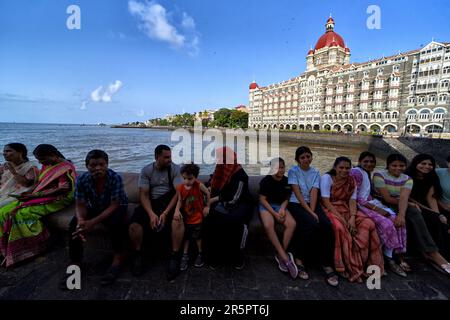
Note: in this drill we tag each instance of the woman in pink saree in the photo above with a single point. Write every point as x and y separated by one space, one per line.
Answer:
22 234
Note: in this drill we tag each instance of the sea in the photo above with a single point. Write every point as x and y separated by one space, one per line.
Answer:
130 149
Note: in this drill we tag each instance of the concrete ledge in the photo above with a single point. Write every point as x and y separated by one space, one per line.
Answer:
59 222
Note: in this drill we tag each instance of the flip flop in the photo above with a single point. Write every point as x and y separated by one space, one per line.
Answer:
302 274
331 277
405 266
444 268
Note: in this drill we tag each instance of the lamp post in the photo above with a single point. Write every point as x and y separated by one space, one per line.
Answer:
406 124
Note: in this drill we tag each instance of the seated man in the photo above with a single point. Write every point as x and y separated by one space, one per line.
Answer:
100 198
158 198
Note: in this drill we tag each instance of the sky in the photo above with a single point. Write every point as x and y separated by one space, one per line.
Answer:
133 60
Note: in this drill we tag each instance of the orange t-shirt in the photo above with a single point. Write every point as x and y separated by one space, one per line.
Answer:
192 203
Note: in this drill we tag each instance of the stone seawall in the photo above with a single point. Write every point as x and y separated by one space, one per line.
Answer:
381 146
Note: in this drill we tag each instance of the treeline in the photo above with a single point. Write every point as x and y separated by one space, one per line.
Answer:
226 118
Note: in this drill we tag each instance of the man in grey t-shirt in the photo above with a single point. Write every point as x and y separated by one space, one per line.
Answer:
158 198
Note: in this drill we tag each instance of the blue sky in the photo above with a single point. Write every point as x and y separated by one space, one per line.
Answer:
135 60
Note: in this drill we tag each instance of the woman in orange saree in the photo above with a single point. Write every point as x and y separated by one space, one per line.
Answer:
357 244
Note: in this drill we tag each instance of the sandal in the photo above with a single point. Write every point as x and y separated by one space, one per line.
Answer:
302 274
331 277
396 268
443 268
405 266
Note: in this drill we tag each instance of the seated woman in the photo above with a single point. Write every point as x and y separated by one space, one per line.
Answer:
314 234
230 211
394 187
393 238
424 194
17 175
356 240
22 233
274 193
444 200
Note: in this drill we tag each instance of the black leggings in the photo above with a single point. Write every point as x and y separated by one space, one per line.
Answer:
312 239
223 233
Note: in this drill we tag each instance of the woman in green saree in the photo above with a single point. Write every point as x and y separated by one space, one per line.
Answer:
22 233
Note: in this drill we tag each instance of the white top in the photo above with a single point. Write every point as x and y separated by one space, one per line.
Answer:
364 188
325 187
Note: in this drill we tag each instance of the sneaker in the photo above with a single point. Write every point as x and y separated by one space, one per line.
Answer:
281 264
111 275
184 262
199 261
291 266
137 264
394 267
173 268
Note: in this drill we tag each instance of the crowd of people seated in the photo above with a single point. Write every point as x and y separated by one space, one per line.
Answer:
344 220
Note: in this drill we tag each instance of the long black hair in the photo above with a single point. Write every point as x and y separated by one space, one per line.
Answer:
19 147
43 150
430 177
338 160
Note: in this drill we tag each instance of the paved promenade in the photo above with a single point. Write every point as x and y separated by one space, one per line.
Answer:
39 278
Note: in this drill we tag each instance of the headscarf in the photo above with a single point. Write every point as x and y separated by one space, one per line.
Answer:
226 167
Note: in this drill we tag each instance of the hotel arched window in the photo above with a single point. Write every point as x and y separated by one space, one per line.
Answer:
372 116
438 114
366 116
379 115
380 71
388 115
351 116
445 84
411 114
396 68
443 98
394 115
424 114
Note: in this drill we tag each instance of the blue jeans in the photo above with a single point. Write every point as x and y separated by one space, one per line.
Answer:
274 206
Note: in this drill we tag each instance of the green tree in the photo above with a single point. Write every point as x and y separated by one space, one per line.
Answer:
222 117
238 119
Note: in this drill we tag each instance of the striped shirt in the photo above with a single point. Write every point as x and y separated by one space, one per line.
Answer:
382 179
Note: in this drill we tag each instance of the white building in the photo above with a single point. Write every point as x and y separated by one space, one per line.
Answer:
409 89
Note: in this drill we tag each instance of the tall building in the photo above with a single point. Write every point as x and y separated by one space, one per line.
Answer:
407 92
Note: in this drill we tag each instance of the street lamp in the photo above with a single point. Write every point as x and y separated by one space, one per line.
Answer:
406 124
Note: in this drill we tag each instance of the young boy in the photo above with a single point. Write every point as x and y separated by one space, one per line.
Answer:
191 208
100 198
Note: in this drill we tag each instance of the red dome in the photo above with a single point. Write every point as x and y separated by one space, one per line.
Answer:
330 37
253 86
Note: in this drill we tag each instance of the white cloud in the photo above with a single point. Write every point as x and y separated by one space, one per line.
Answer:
95 95
83 105
188 22
100 95
155 22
